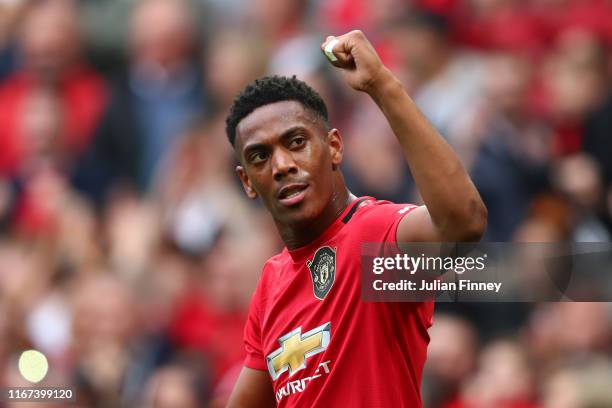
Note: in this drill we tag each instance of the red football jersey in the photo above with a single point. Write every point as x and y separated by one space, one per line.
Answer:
321 344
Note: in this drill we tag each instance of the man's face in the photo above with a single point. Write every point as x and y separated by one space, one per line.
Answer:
288 158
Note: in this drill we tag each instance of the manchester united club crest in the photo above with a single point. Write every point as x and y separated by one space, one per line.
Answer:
322 271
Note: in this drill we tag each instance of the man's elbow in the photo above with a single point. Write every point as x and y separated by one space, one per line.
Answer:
470 223
475 229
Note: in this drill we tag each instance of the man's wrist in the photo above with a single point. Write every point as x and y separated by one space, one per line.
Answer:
383 85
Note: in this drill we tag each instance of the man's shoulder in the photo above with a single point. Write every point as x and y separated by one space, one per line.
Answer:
377 220
277 260
275 264
372 209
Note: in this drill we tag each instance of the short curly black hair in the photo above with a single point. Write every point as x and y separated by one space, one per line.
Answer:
271 89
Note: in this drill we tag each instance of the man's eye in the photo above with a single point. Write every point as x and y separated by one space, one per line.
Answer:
257 157
297 142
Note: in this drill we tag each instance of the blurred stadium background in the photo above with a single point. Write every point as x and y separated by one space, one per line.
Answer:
128 252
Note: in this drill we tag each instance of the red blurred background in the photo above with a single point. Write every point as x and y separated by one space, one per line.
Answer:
128 253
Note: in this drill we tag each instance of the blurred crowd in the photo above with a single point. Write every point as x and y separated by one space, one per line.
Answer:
128 252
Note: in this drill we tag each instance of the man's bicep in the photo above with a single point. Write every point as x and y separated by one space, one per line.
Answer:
252 390
417 226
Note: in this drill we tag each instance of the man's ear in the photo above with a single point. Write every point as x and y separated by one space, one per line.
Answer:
246 183
336 147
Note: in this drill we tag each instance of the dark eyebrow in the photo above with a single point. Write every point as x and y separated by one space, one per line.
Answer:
258 146
291 131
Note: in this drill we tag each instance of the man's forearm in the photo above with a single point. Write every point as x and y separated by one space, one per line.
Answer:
451 198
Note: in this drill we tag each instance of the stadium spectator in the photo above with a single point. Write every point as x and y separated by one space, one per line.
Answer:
50 56
151 106
512 156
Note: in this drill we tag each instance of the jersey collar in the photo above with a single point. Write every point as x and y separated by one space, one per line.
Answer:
304 252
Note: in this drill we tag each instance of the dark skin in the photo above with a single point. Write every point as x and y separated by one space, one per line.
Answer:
283 144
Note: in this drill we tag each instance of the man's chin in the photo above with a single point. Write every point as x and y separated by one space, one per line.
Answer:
298 215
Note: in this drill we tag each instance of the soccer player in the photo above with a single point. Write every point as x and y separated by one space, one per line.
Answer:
310 340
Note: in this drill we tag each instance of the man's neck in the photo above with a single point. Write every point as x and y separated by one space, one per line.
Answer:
296 236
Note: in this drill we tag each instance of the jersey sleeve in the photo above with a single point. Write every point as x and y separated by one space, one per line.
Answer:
252 334
381 219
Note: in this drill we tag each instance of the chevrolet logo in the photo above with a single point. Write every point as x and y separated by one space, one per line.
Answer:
296 348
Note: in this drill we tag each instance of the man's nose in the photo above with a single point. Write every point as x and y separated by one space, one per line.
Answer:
283 164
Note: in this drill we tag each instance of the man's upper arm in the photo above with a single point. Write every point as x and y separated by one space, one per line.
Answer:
252 390
417 226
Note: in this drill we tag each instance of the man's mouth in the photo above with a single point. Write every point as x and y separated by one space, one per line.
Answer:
292 194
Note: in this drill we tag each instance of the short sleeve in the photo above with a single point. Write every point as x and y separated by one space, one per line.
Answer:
252 335
380 220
